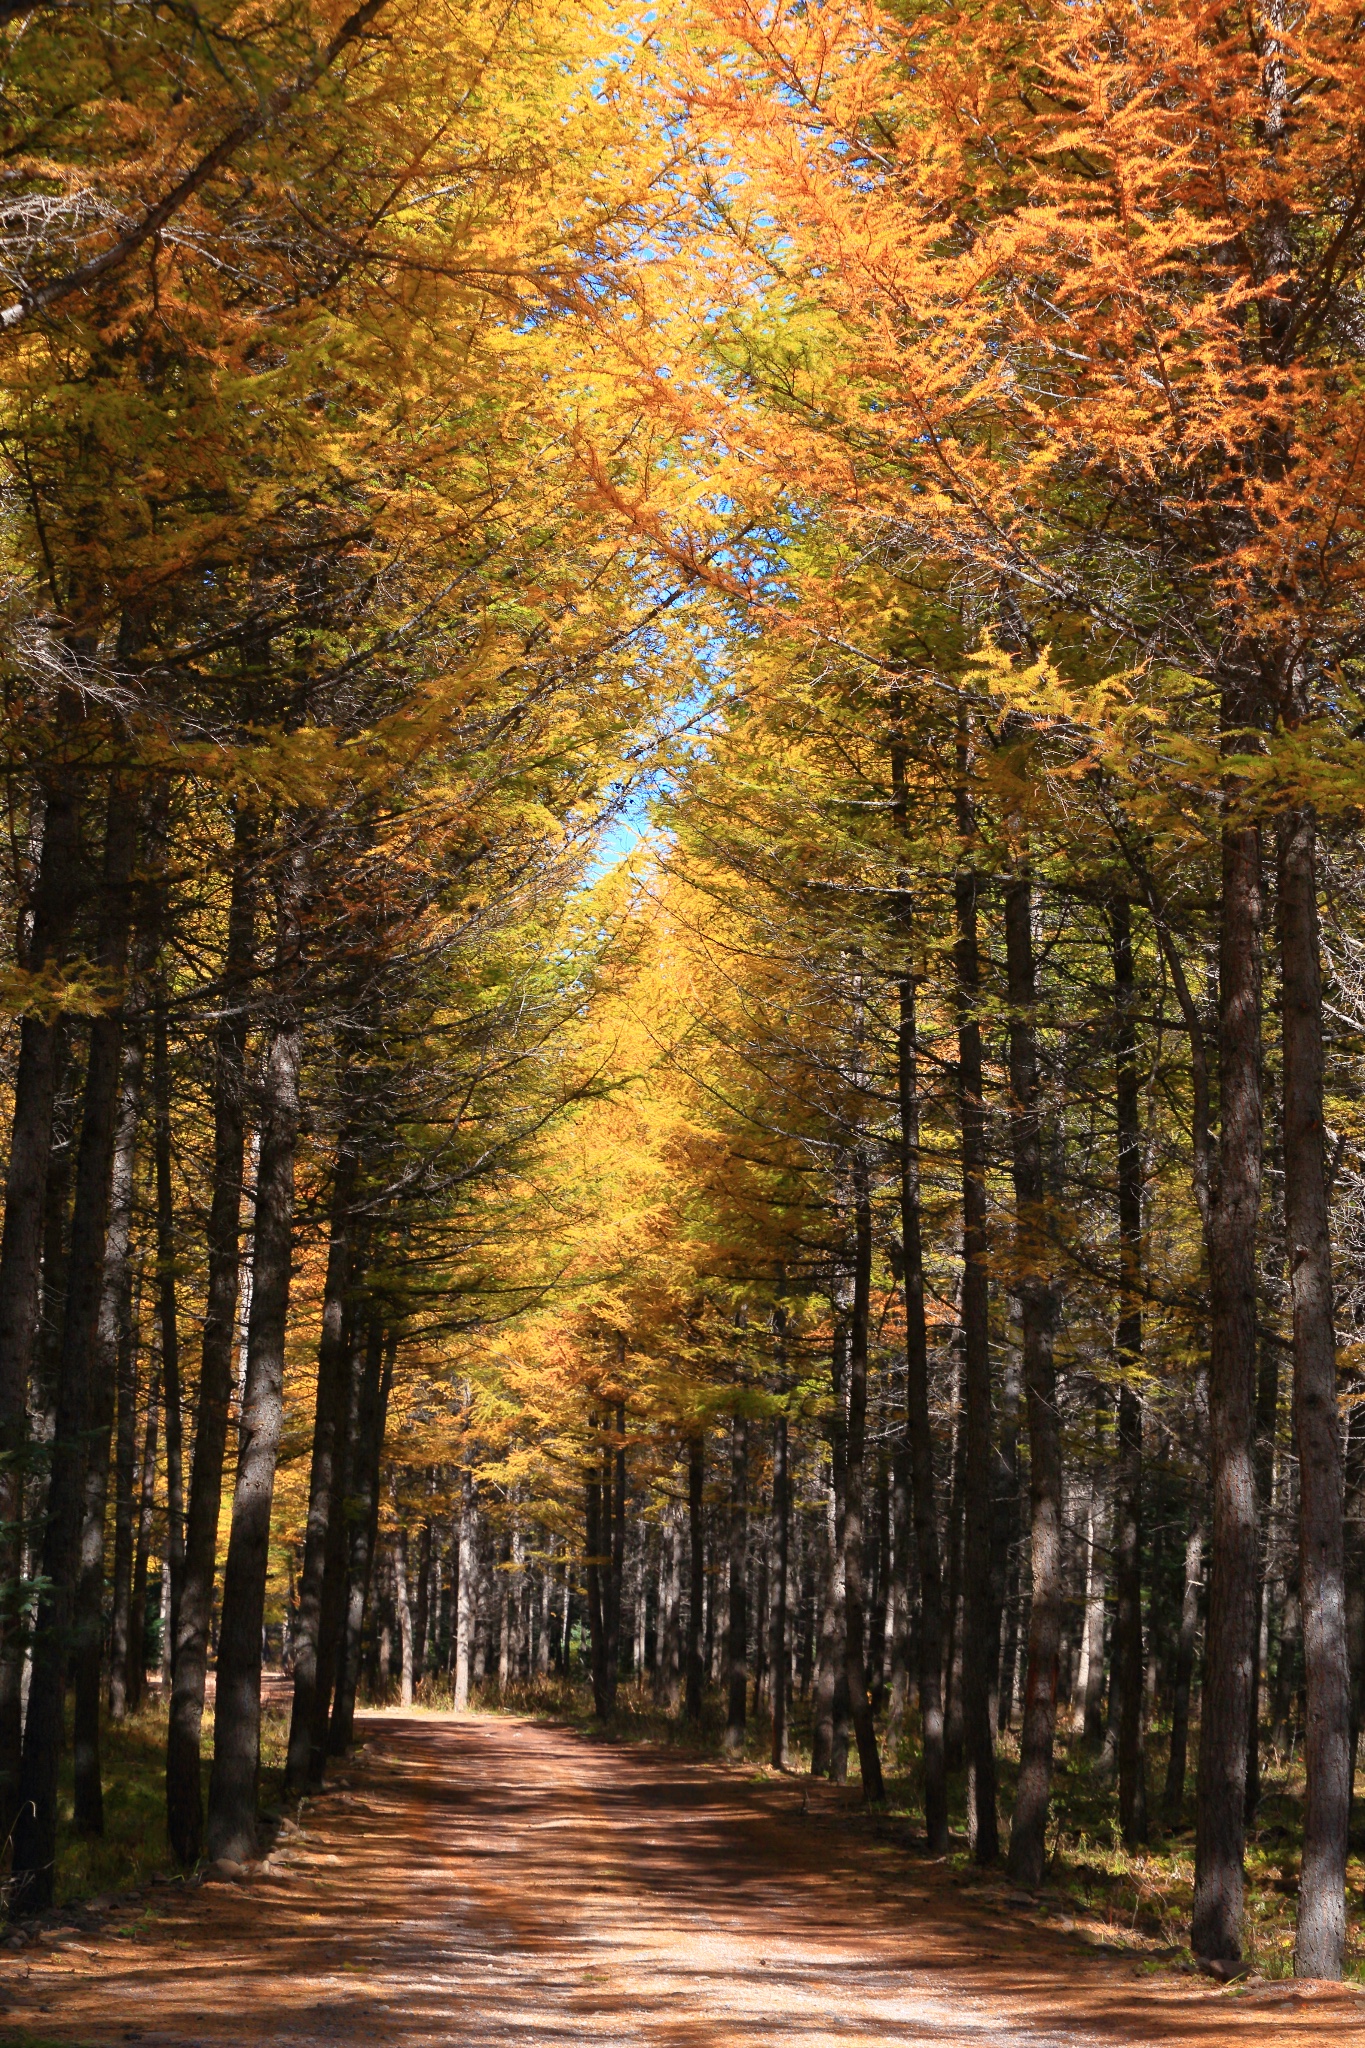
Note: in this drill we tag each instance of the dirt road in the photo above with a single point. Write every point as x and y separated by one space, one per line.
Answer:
488 1881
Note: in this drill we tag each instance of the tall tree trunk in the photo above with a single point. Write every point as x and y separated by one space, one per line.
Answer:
234 1781
21 1244
829 1733
829 1623
879 1597
1128 1659
596 1520
421 1620
184 1792
403 1600
777 1653
324 1500
125 1478
464 1593
137 1617
855 1663
1173 1798
1004 1522
1321 1937
919 1430
737 1623
900 1519
1233 1210
332 1607
1267 1417
1038 1314
978 1606
617 1495
953 1536
167 1319
1267 1425
696 1558
762 1618
113 1342
369 1443
1284 1697
1088 1712
1355 1570
35 1831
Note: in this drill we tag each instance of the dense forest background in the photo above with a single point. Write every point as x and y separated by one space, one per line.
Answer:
685 933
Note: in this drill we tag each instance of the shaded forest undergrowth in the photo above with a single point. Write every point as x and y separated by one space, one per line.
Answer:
1132 1903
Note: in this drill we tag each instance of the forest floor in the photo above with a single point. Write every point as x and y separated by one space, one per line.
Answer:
498 1880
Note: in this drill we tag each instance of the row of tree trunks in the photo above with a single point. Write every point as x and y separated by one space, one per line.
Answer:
1037 1314
978 1469
190 1653
35 1829
696 1479
919 1431
360 1517
56 896
737 1620
113 1346
1232 1210
777 1649
1321 1935
1128 1657
305 1757
234 1783
605 1504
167 1322
855 1661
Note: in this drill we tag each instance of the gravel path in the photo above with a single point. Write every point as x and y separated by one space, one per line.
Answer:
489 1881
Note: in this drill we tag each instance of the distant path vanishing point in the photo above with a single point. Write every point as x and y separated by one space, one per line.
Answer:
488 1881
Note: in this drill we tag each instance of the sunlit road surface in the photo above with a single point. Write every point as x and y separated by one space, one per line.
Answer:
484 1880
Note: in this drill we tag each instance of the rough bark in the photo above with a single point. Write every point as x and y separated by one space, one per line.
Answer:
829 1731
113 1345
137 1617
329 1422
616 1579
21 1243
777 1653
1038 1314
184 1793
1232 1209
978 1607
1355 1570
827 1648
855 1664
1267 1414
167 1319
332 1607
422 1611
464 1594
234 1781
596 1520
737 1619
403 1600
952 1646
364 1511
919 1431
1087 1718
696 1475
1321 1937
35 1831
125 1479
1128 1658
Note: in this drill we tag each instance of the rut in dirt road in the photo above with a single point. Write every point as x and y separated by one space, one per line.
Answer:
486 1881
